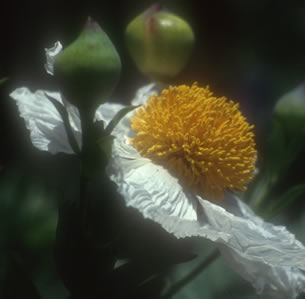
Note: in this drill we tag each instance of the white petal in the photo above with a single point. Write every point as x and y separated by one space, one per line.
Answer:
265 254
43 121
143 94
74 118
150 189
51 53
46 127
107 111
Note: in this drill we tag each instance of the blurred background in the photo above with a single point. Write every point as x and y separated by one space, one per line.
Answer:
250 51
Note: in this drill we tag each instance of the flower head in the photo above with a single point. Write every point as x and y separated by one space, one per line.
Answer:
202 140
268 256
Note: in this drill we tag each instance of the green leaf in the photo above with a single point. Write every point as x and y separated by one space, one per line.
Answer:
119 115
286 200
276 152
65 117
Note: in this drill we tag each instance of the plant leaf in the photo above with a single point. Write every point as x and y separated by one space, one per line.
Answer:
119 115
286 200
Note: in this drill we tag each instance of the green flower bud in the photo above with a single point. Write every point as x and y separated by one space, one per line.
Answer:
287 136
89 68
159 42
290 110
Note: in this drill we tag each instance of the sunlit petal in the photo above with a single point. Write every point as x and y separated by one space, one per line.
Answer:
43 120
266 255
51 53
45 124
107 111
152 190
143 94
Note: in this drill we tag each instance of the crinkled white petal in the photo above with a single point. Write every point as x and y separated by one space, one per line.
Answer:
42 120
51 54
45 124
265 254
147 186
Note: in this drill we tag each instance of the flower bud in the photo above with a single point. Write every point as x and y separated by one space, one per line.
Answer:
159 42
88 69
290 110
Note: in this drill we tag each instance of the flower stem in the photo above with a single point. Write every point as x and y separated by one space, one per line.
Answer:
190 276
86 118
83 201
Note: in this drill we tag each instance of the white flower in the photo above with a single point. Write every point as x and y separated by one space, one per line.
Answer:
266 255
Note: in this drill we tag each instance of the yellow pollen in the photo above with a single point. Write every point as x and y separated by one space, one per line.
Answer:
202 140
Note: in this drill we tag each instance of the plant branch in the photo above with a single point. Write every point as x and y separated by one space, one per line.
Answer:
190 276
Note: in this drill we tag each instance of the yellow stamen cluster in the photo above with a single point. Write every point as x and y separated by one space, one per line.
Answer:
202 140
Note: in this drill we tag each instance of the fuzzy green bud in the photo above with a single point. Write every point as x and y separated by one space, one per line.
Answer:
159 42
290 110
89 68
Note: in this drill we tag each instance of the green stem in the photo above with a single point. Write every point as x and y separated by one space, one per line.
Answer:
189 277
86 117
83 201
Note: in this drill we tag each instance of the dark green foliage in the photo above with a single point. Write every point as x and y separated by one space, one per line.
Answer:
17 282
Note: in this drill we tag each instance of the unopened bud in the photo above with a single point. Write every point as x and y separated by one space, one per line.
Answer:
290 110
89 68
160 43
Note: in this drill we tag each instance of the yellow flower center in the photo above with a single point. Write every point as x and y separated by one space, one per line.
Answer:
202 140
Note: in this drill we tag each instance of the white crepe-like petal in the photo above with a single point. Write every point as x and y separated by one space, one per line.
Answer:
265 254
46 126
42 120
146 186
51 54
